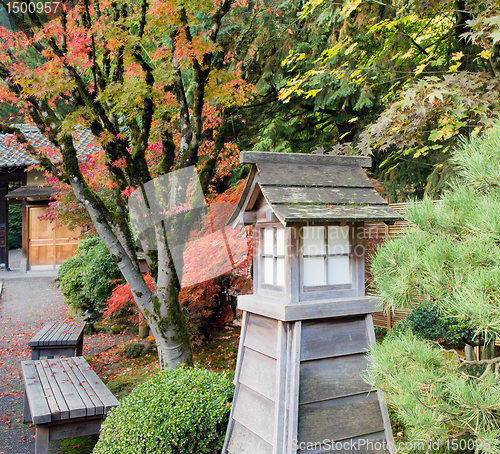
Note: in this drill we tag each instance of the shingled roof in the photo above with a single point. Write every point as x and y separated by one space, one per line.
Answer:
313 188
13 154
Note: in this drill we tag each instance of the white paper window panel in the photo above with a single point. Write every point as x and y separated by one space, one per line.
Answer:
268 273
314 271
313 240
280 241
280 271
268 240
339 270
338 239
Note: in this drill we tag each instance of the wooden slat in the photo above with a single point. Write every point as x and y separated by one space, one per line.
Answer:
38 337
76 406
331 338
255 412
61 402
332 377
325 196
339 419
39 408
69 366
313 175
262 335
96 401
49 393
368 444
105 395
244 441
258 372
76 333
54 337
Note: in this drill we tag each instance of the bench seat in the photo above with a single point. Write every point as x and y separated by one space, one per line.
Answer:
58 339
64 398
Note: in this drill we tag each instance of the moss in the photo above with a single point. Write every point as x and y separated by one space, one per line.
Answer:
178 319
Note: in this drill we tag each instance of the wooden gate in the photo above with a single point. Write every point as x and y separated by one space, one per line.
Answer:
48 247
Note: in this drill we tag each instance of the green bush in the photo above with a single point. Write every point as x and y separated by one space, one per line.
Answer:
428 321
15 226
75 261
135 350
86 279
182 411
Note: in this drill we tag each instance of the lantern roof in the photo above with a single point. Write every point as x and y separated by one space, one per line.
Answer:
312 188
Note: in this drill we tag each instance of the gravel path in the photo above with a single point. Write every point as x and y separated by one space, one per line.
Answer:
26 304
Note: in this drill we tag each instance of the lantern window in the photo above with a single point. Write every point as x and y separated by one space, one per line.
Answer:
273 256
326 253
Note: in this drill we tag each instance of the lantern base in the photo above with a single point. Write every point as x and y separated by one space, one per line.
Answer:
299 388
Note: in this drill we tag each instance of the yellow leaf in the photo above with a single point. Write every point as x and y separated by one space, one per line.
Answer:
485 54
457 55
355 73
420 68
454 67
349 7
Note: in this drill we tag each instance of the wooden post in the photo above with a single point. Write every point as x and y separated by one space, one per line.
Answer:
4 228
389 319
42 440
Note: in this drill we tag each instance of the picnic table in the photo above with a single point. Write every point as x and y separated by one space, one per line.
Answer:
58 339
64 398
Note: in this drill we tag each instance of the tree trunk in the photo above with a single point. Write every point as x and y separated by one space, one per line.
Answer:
160 308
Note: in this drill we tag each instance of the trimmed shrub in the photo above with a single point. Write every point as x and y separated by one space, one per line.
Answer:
181 411
88 278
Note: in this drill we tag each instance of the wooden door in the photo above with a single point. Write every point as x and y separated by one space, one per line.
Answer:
48 247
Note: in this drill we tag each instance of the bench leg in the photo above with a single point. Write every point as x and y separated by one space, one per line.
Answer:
35 354
42 440
79 348
26 409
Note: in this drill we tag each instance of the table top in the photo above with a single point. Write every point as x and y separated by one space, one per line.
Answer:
63 389
66 333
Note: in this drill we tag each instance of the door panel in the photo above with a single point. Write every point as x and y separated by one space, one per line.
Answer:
48 247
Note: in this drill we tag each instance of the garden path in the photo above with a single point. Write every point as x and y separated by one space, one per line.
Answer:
26 304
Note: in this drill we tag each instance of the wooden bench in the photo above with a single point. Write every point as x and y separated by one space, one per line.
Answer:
64 398
58 339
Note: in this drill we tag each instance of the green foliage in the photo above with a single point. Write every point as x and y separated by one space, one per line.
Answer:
184 410
452 256
15 226
428 321
135 350
400 80
75 261
432 396
86 279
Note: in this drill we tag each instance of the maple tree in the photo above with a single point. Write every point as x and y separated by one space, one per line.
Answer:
150 81
208 300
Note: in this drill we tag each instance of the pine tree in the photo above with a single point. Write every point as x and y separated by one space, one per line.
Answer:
452 256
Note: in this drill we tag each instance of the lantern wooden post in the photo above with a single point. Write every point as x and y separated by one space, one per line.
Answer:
308 324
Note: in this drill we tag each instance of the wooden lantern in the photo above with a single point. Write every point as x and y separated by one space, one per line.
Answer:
308 324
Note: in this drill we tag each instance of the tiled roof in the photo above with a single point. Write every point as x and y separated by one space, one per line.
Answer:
13 154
